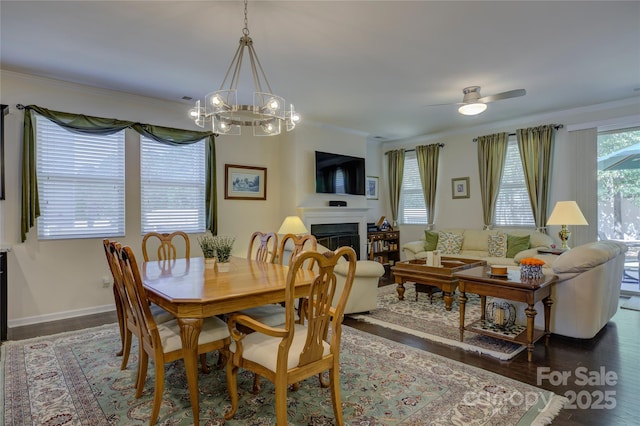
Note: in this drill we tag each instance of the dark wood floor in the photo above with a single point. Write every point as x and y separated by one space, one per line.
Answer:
616 349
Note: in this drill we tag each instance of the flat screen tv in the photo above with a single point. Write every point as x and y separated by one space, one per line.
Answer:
339 174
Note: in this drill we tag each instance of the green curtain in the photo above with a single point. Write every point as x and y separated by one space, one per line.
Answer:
395 167
84 124
536 151
492 153
427 156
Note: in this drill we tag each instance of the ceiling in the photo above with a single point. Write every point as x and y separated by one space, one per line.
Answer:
369 66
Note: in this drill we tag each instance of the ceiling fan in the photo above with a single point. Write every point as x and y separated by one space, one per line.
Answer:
473 103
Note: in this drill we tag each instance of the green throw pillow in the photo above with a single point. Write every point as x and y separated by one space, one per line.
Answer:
431 240
515 244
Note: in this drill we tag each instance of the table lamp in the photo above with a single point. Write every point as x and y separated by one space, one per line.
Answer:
292 225
566 213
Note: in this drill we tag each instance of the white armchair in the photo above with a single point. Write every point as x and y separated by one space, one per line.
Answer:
364 293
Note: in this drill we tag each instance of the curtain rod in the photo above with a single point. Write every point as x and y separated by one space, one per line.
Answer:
557 126
441 145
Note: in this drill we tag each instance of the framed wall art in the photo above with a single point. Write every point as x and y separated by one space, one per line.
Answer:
372 187
460 187
245 182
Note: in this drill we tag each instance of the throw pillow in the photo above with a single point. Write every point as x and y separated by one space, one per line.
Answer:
497 245
430 240
516 244
449 242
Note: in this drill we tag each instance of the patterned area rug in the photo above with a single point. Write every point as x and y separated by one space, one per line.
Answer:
75 379
433 322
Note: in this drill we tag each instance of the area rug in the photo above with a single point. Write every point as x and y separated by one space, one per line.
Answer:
632 303
430 320
75 378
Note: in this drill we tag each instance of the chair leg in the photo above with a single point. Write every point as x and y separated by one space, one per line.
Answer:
281 400
323 384
121 322
126 349
143 363
157 392
256 384
232 388
334 375
203 364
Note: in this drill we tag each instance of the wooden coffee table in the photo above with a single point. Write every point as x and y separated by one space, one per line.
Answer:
479 281
418 272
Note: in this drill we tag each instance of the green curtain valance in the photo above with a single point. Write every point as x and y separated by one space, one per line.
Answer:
84 124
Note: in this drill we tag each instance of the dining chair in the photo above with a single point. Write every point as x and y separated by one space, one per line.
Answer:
162 342
291 245
124 309
166 247
267 246
293 352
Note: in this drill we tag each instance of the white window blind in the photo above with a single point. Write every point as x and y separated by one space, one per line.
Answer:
172 186
80 183
513 207
412 209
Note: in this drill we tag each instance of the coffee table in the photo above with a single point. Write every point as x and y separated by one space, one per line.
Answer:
417 271
479 281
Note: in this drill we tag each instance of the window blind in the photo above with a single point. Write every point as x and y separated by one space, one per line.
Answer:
80 183
513 207
412 209
172 186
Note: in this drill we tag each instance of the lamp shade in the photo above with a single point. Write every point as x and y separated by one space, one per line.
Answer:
292 225
566 213
472 109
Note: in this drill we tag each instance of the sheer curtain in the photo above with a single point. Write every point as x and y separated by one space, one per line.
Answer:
536 151
395 168
492 152
427 156
84 124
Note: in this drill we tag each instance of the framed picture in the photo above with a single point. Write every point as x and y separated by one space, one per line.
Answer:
245 182
372 187
460 187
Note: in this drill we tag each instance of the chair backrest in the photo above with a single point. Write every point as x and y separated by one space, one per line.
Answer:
267 246
111 251
320 315
149 336
297 246
166 246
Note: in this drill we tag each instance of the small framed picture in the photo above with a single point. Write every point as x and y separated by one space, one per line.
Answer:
372 187
245 182
460 187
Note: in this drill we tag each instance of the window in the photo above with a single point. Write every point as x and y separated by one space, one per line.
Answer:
513 207
412 209
172 186
80 183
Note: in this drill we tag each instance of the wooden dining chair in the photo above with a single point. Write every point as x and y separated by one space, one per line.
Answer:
291 353
124 309
267 246
162 342
166 247
291 245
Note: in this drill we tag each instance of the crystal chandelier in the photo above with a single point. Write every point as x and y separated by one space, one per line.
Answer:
268 113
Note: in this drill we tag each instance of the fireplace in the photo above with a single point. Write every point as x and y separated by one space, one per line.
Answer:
334 235
354 217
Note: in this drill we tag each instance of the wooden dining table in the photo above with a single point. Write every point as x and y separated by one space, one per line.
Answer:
191 291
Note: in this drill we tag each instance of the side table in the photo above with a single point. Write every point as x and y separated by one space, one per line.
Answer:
479 281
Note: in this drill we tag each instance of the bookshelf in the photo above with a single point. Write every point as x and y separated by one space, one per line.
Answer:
384 247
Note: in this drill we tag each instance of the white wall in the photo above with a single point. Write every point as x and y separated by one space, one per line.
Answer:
458 158
62 278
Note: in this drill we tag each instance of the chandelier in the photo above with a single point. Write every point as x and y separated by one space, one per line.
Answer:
268 113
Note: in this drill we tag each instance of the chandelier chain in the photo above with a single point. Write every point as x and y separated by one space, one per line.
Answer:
245 30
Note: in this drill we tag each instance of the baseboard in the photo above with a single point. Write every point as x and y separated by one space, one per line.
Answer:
38 319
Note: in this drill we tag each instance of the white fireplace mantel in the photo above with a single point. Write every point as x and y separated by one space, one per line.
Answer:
321 215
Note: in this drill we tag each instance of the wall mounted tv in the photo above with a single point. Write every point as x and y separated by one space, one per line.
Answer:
339 174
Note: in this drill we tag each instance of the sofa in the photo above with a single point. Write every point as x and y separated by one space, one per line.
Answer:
364 292
587 292
495 246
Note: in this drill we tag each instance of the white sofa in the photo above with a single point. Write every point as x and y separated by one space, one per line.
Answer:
587 292
475 245
364 292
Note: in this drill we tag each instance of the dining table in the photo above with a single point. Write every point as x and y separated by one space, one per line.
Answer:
192 290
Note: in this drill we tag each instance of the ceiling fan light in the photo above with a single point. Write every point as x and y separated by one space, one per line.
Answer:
472 109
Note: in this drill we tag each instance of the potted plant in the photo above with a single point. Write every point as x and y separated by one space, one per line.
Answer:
208 246
223 246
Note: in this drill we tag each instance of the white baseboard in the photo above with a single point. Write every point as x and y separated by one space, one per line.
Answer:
59 316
